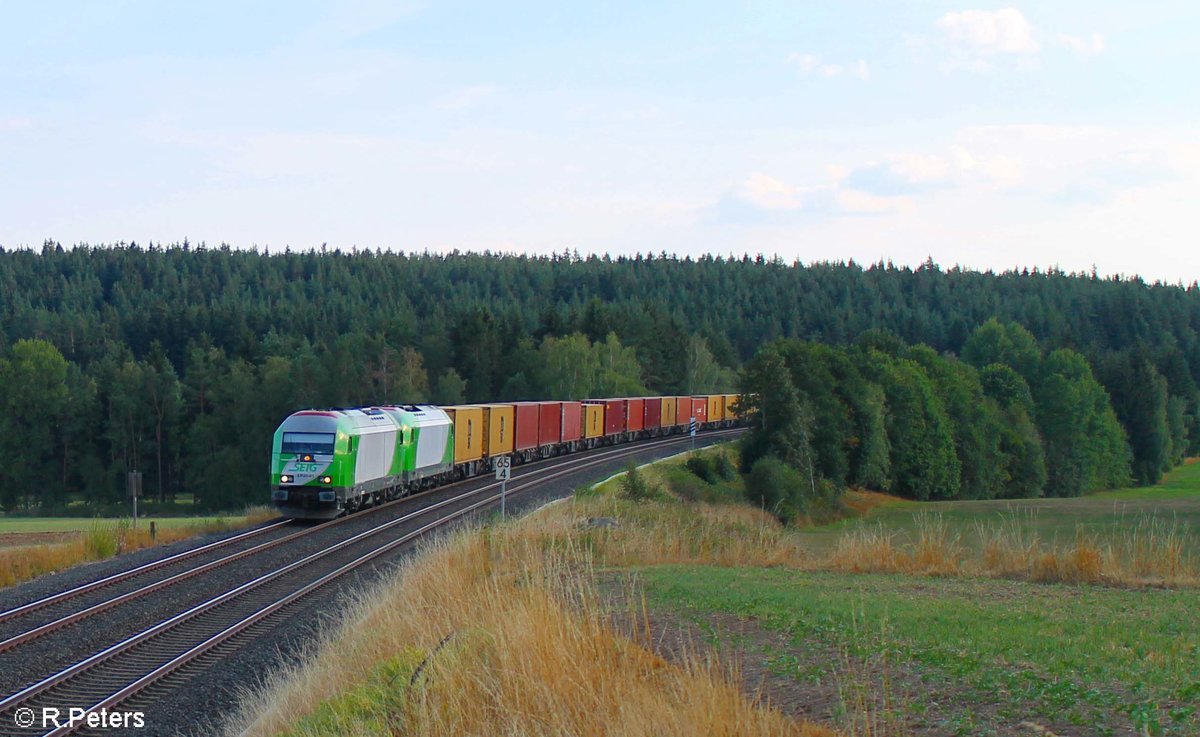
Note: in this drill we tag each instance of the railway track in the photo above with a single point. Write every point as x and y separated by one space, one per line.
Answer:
111 676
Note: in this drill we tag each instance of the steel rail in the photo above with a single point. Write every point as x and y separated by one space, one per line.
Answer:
125 575
76 616
42 686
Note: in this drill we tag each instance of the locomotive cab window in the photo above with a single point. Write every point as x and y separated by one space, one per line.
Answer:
308 442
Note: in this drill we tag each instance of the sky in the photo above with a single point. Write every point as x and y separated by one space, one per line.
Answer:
1054 134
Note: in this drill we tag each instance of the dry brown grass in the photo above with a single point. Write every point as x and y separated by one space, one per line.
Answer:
1151 552
657 533
499 633
20 564
861 501
934 552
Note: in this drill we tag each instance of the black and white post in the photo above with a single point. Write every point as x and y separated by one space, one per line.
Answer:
692 432
133 484
503 474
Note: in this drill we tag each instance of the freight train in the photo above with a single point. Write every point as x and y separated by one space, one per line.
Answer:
325 463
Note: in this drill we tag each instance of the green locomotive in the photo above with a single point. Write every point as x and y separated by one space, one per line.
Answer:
327 462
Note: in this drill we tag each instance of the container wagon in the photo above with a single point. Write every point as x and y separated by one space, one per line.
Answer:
525 444
572 425
670 409
592 423
635 416
550 421
498 423
469 438
652 416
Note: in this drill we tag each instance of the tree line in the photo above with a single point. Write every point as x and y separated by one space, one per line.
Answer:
180 360
1007 419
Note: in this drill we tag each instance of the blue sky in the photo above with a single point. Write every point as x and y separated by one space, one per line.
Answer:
1052 134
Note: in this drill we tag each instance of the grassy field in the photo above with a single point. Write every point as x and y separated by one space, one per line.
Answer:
1041 618
968 656
82 524
1175 501
32 546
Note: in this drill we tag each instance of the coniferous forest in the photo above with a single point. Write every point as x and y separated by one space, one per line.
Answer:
931 383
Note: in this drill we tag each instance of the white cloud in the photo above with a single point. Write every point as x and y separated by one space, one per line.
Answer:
912 172
979 40
13 124
768 193
812 64
1092 45
1050 163
765 199
1001 31
465 97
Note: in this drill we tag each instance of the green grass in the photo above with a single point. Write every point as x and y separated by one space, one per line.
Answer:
986 653
82 524
1175 501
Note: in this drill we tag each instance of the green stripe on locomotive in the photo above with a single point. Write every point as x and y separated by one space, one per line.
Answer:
339 466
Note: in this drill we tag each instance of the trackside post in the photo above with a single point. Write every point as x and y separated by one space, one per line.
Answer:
503 474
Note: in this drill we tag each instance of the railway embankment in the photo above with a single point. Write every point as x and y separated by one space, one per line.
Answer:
666 604
506 629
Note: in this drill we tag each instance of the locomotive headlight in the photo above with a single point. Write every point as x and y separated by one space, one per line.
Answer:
327 479
307 458
284 479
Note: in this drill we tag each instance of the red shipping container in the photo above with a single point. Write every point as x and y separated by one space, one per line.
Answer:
572 421
653 414
549 423
700 409
526 436
635 414
614 416
683 411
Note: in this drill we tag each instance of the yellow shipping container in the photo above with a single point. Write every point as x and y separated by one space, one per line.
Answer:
669 405
731 408
593 420
498 429
468 432
716 407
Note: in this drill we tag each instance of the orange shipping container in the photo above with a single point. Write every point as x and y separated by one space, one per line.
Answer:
498 429
468 432
716 407
731 409
669 405
593 420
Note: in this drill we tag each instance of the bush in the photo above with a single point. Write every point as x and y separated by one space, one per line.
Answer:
702 467
789 495
635 487
724 468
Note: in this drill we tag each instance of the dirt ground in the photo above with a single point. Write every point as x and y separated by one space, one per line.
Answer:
817 682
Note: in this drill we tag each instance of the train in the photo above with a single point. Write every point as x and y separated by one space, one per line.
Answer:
330 462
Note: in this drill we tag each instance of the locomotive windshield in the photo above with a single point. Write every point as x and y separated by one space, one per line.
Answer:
308 442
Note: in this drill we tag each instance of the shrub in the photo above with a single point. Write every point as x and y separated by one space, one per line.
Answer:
635 487
789 494
723 467
702 467
775 486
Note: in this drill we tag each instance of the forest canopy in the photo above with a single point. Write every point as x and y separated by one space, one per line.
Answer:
180 361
